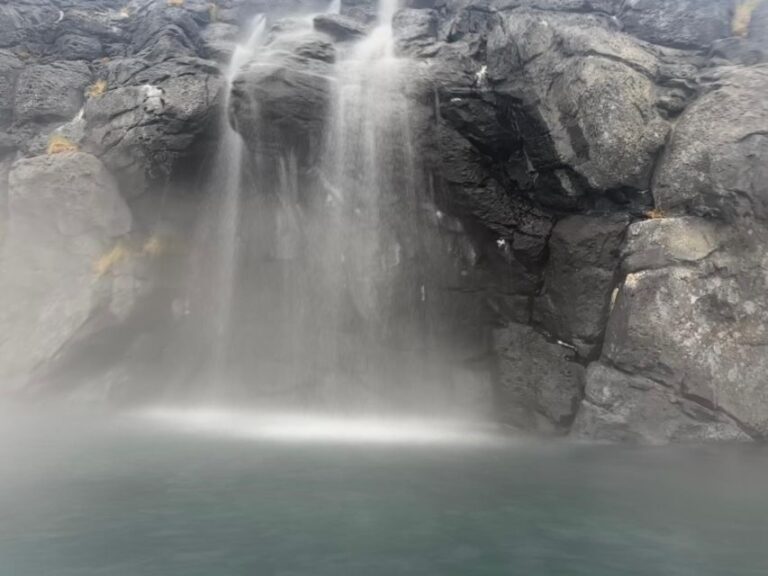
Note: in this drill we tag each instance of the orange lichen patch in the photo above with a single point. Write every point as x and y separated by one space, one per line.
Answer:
58 144
742 17
110 260
176 3
655 214
98 88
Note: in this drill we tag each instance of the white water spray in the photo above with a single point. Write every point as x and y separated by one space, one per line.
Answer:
216 253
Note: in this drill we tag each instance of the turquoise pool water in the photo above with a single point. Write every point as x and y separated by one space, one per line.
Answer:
86 498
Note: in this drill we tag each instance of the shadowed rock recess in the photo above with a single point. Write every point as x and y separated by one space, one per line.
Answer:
590 227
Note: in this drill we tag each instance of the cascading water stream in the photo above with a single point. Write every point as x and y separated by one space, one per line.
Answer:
215 255
323 307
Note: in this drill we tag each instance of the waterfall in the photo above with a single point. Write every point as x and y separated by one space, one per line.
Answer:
314 296
215 252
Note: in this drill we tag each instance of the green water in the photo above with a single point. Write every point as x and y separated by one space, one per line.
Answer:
86 499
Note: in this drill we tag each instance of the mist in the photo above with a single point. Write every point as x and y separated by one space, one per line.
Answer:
383 287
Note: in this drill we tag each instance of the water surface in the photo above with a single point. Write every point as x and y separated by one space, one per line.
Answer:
80 497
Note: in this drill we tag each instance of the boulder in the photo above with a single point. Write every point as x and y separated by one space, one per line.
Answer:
150 117
716 163
584 99
678 23
282 103
538 384
619 407
340 27
10 67
61 265
579 279
415 29
160 31
662 242
701 332
48 93
78 47
219 40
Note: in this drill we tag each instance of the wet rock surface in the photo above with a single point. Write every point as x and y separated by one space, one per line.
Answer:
65 217
592 181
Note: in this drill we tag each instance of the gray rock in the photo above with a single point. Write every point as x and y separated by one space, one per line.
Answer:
219 40
735 50
10 66
679 23
64 216
48 93
539 386
340 27
619 407
414 29
663 242
282 104
702 332
365 11
579 279
574 6
583 96
717 160
160 31
152 118
78 47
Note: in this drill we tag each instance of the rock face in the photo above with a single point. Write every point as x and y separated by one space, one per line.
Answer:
540 385
579 279
713 165
625 408
65 216
597 116
590 178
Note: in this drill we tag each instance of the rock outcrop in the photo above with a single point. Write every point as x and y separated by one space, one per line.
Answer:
61 258
591 213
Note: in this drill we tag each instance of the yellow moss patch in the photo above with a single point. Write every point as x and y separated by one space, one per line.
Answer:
742 17
99 88
655 214
176 3
110 260
58 144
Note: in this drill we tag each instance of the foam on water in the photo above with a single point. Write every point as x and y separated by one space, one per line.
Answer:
316 427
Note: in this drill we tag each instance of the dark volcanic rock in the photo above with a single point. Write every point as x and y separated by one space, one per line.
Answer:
591 172
340 27
540 386
51 92
579 279
618 407
282 103
715 163
415 29
680 23
152 117
583 96
662 242
700 332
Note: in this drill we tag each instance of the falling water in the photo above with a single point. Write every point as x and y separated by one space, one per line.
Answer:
215 256
368 163
322 308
